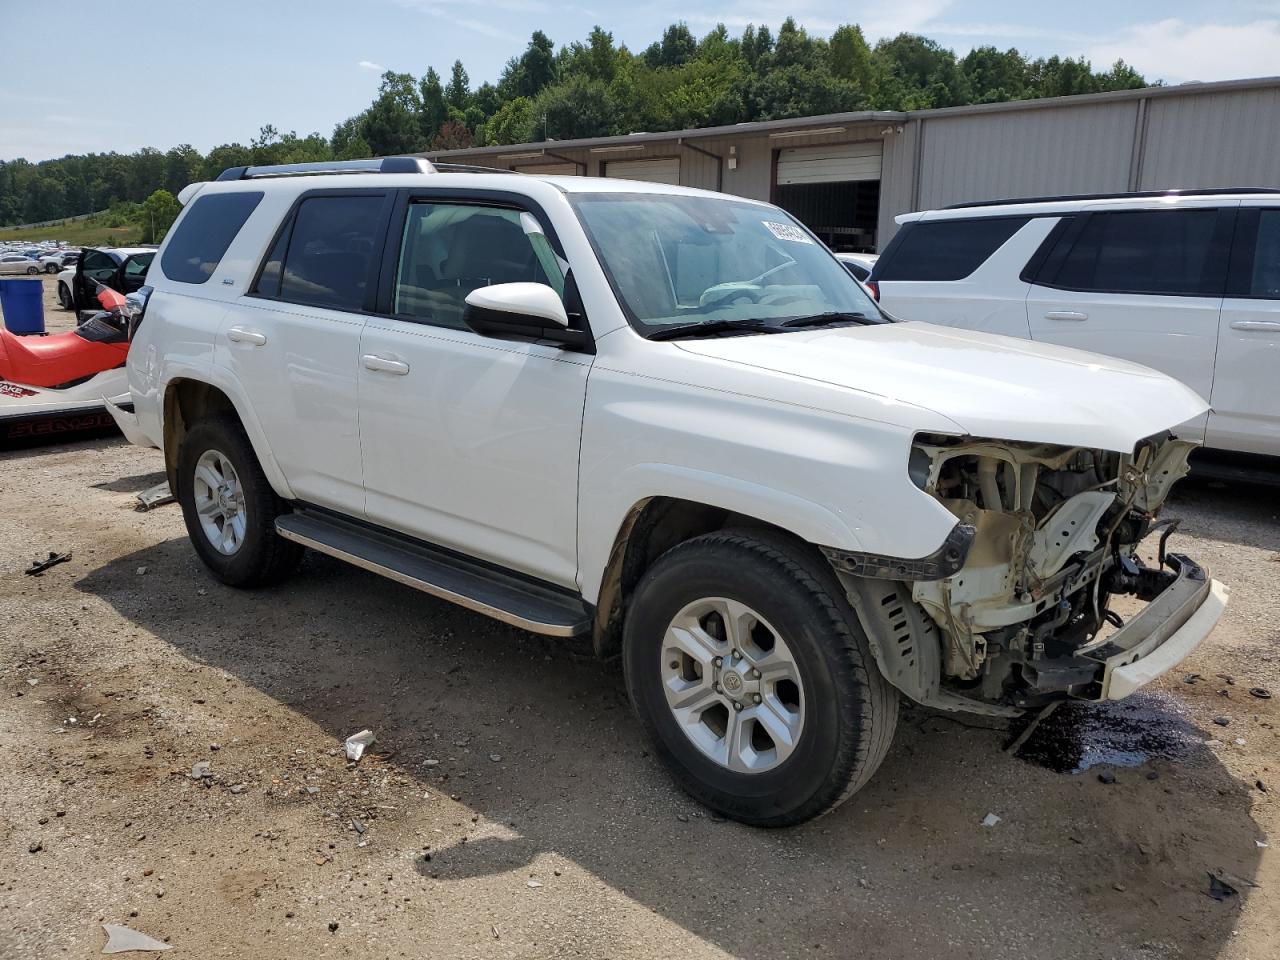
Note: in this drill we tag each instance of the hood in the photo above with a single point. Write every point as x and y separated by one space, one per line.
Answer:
990 386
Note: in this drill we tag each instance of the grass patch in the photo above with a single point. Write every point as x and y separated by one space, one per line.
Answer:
80 233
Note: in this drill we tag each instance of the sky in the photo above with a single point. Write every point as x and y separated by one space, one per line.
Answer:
167 72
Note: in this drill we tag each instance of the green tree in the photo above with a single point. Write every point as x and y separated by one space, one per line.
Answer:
576 108
514 123
156 215
392 125
458 92
851 57
454 135
181 167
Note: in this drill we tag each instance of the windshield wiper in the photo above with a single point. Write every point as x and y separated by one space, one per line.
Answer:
711 327
822 319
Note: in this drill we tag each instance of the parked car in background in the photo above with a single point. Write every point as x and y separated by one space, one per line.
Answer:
663 419
1187 282
123 269
11 263
858 264
59 260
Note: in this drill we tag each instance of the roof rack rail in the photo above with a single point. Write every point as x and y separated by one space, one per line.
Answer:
469 168
376 165
1200 192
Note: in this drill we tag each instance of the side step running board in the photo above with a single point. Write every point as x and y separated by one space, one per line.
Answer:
511 598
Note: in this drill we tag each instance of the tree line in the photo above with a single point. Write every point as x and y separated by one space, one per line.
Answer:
588 88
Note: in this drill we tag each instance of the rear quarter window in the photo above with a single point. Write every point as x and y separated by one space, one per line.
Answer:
204 234
944 249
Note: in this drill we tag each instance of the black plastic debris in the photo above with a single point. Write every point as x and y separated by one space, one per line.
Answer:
1262 693
40 566
1220 890
1107 778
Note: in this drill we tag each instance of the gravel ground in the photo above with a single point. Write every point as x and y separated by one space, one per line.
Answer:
516 765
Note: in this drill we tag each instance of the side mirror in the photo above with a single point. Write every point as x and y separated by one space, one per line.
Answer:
521 311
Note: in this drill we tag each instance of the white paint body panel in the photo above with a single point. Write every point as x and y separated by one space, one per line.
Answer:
532 456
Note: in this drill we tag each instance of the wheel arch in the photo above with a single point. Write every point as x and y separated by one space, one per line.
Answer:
650 528
188 399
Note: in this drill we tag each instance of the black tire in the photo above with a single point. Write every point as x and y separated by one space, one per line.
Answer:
263 557
33 271
64 296
51 268
850 709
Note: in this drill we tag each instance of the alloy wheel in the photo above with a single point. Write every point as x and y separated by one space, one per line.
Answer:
732 685
219 501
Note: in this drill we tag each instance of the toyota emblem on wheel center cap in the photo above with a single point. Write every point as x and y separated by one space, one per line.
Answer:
732 682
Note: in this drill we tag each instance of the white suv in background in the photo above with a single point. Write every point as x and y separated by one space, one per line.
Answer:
1187 282
671 422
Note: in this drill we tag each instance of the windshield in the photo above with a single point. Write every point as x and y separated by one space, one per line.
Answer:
679 260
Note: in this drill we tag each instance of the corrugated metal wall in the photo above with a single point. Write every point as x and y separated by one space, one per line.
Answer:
1026 153
1212 140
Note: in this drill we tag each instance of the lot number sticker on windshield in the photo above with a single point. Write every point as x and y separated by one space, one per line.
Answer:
787 231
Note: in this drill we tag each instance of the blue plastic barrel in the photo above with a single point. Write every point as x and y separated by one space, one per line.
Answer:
22 303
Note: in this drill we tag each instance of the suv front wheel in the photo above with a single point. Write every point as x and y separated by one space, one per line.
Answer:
751 672
229 507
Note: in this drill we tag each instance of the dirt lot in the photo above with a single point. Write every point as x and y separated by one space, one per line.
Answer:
518 767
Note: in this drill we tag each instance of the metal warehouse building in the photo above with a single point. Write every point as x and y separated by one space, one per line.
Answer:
847 175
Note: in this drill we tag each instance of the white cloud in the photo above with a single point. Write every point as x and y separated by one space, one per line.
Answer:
371 66
1174 50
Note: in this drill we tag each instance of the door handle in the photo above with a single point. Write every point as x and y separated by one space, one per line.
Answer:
1066 315
383 365
241 335
1266 325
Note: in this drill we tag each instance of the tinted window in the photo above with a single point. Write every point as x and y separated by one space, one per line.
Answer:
1146 251
269 280
330 250
204 234
99 266
1265 281
945 249
136 266
450 249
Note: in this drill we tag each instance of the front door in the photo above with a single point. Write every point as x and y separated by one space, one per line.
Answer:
293 342
471 442
94 266
1246 401
1141 285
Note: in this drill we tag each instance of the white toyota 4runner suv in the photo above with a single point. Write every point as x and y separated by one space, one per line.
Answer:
670 421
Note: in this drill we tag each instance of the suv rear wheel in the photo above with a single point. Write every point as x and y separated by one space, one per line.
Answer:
752 674
229 507
64 296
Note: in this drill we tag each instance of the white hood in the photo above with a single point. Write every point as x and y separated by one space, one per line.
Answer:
989 386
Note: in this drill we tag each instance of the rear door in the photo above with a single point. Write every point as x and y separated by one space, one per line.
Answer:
1142 285
1246 401
961 271
293 342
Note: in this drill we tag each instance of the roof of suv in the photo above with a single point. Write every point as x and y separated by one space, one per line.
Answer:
1025 206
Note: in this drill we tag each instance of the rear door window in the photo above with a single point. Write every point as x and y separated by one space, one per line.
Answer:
330 252
1170 252
945 249
1264 281
204 234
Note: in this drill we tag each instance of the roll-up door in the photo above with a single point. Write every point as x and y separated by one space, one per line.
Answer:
549 169
838 163
666 170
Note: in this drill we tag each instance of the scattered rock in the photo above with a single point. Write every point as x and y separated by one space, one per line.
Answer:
36 846
142 571
1107 778
1192 678
990 820
1118 886
357 826
1222 721
201 770
535 884
1153 775
682 817
333 926
240 788
431 763
1260 785
495 757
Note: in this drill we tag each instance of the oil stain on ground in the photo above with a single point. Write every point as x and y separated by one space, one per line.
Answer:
1121 733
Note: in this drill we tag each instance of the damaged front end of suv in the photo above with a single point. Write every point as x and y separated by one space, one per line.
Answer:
1014 610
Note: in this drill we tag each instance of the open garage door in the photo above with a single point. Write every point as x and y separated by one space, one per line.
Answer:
549 169
834 190
666 170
